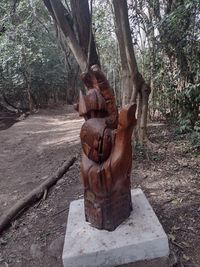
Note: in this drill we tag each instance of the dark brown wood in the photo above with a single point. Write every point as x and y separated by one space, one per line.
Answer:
107 153
33 196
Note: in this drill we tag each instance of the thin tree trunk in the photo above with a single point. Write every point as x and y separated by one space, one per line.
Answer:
126 79
82 20
139 113
59 14
84 45
30 99
128 59
143 123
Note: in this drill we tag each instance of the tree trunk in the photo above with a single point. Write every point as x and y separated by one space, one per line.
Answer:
60 15
143 123
126 79
27 77
84 45
127 85
128 59
30 99
139 113
83 26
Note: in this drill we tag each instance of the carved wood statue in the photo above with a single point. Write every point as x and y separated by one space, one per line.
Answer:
107 153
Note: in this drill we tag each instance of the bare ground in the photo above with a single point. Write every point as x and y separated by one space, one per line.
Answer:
33 149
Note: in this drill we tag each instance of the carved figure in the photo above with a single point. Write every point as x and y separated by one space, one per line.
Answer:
107 153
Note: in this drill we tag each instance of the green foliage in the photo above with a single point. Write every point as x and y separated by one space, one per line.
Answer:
194 139
168 40
184 126
188 102
166 37
197 126
32 63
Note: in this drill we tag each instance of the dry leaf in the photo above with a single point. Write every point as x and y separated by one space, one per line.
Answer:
185 244
175 228
175 202
185 257
171 237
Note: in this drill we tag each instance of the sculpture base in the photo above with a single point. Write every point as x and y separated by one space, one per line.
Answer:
107 213
136 241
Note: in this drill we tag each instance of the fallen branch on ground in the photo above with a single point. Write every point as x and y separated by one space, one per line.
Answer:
33 196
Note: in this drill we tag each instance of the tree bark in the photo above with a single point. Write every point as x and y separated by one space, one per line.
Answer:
126 79
28 84
83 44
33 196
59 14
82 20
145 91
128 59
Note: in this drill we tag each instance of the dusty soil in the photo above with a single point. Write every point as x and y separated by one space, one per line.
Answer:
34 148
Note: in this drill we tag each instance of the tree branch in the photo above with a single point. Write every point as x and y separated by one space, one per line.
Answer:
59 14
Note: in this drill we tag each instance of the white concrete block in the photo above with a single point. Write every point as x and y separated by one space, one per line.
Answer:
140 237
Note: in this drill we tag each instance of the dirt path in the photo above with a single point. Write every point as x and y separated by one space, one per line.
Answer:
34 148
30 151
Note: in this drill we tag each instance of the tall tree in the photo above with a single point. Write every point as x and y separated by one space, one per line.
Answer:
78 33
135 89
171 32
76 29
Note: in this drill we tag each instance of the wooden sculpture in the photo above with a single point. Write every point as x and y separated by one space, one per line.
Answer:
107 153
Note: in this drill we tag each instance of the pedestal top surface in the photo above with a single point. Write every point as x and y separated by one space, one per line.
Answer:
140 237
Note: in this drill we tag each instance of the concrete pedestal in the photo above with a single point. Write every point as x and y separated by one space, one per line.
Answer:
139 238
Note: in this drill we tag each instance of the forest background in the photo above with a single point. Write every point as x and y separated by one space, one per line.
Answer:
39 75
38 69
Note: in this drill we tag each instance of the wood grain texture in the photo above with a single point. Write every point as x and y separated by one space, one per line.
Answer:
107 153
